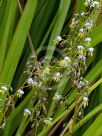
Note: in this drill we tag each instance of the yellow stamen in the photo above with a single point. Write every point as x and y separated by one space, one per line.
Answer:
81 34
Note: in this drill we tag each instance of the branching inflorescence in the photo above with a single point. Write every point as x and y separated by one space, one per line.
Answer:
75 50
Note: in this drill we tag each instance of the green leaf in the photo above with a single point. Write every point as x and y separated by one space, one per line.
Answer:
96 35
17 43
5 30
95 128
63 9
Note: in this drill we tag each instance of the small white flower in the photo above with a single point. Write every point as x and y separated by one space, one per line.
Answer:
80 113
57 96
82 13
20 91
85 99
44 99
87 40
67 59
81 56
91 49
50 118
27 111
4 88
48 121
59 38
3 126
57 74
30 81
88 1
80 84
80 47
74 21
94 4
57 77
89 23
81 30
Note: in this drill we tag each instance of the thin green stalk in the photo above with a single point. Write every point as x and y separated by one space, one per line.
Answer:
60 90
25 120
16 112
47 128
76 106
87 117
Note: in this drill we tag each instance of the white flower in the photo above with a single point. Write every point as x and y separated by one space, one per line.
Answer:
80 47
85 99
91 49
74 21
81 56
27 111
48 121
44 99
67 59
87 40
94 4
20 91
30 81
3 126
57 96
81 30
4 88
80 113
57 74
88 1
57 77
59 38
80 84
50 118
82 13
88 25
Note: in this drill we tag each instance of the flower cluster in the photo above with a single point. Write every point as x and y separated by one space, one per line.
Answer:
91 3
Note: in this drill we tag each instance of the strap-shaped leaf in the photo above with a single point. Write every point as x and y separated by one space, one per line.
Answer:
17 43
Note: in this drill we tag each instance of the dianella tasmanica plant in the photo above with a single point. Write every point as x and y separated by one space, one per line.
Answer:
50 68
